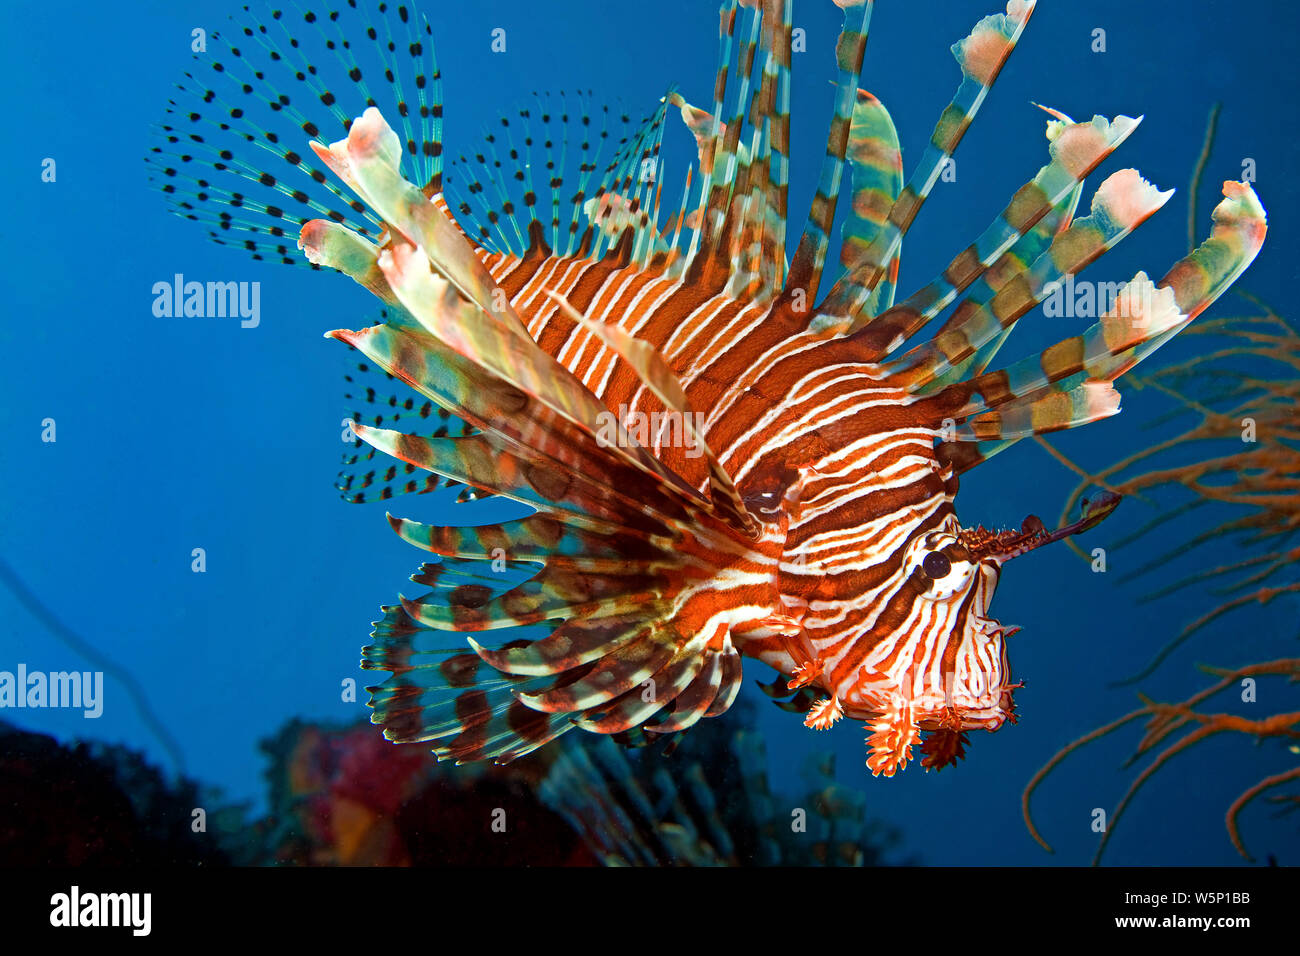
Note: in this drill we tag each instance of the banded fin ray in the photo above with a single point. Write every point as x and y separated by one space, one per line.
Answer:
981 56
1076 150
1070 383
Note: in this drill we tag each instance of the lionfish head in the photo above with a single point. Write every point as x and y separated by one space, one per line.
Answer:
952 674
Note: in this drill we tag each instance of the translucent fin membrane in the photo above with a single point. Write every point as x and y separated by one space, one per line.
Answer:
558 176
378 399
270 82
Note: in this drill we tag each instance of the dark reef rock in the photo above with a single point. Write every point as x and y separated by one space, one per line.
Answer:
89 804
341 795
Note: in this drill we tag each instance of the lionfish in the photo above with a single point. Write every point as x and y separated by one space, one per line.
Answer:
723 458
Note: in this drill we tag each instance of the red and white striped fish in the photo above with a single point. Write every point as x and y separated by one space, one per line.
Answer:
724 459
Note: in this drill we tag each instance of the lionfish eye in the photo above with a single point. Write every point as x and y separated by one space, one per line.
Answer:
936 565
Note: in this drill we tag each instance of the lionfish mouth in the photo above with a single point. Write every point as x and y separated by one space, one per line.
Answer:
1002 546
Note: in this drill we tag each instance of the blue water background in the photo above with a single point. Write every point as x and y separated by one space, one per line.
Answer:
175 434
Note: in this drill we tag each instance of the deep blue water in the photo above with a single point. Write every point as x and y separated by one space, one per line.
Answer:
175 434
